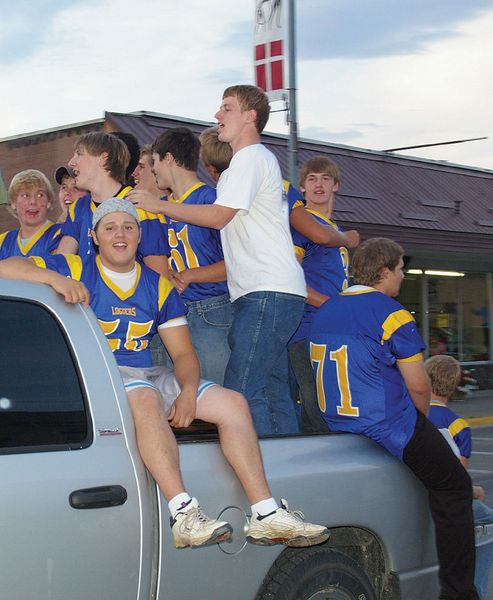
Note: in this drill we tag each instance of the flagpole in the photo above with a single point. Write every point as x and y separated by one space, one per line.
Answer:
292 118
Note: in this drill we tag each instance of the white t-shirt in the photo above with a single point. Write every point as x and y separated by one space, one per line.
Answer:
257 244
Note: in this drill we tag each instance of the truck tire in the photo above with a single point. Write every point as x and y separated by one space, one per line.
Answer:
315 574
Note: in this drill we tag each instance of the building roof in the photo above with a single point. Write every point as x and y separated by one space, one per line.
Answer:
380 192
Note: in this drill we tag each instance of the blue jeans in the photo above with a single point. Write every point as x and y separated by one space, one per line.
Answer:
263 323
209 322
483 515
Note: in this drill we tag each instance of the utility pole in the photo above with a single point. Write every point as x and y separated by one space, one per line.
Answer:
292 118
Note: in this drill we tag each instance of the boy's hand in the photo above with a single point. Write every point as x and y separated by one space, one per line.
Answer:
74 292
352 238
183 410
145 200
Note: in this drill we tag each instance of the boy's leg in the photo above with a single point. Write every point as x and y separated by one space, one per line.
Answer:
229 411
483 515
159 451
156 441
258 338
449 486
209 322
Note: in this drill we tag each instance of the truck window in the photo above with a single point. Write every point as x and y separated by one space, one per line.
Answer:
41 401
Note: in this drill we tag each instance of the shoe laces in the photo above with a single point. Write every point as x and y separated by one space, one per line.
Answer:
201 516
297 514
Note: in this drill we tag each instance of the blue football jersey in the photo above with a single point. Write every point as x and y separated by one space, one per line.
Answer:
326 270
78 225
293 196
192 246
356 342
129 319
42 243
442 417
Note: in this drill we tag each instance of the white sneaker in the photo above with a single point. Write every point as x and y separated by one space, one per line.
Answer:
283 526
192 527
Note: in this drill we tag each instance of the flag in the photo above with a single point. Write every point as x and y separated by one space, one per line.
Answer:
269 48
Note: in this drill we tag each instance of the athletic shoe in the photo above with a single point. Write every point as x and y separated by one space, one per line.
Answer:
284 526
192 528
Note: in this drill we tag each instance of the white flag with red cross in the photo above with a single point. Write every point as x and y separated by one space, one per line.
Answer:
269 48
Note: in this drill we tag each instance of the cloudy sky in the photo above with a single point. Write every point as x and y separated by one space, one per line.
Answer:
375 74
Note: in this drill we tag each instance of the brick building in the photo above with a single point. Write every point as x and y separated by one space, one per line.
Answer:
441 213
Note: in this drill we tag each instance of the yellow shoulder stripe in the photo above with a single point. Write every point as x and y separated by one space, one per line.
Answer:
394 321
124 192
74 263
2 237
38 261
299 251
457 426
414 358
164 288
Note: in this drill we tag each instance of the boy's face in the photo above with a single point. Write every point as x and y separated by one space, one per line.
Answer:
231 120
143 174
319 188
68 192
117 236
162 170
31 206
85 166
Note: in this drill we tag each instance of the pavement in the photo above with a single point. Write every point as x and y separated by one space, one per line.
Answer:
476 407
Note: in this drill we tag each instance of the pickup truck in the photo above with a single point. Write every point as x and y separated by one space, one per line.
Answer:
82 519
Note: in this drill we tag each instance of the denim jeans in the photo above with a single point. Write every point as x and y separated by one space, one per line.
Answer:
209 322
483 515
263 323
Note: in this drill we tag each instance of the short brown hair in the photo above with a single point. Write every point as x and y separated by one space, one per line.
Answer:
97 142
444 373
319 164
214 152
251 97
372 256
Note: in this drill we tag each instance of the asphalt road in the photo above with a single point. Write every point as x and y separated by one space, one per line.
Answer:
481 471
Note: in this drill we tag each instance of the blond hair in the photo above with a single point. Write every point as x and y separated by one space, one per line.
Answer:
444 373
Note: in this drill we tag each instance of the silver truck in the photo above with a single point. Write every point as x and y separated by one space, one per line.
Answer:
82 519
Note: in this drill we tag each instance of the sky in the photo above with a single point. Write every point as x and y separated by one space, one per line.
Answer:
374 74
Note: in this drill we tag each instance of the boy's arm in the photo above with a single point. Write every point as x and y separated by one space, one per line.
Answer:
208 274
187 372
67 245
301 220
24 269
417 383
214 216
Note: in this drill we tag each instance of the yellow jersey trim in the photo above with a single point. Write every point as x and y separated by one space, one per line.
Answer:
38 261
323 217
2 238
394 321
74 263
457 426
24 248
184 196
114 288
413 358
164 289
299 251
357 292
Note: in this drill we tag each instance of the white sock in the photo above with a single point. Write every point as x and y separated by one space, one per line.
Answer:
264 507
178 502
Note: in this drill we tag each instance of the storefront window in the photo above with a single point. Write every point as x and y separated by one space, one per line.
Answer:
451 312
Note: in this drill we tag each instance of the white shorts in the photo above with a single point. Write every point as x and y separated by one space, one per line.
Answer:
161 379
